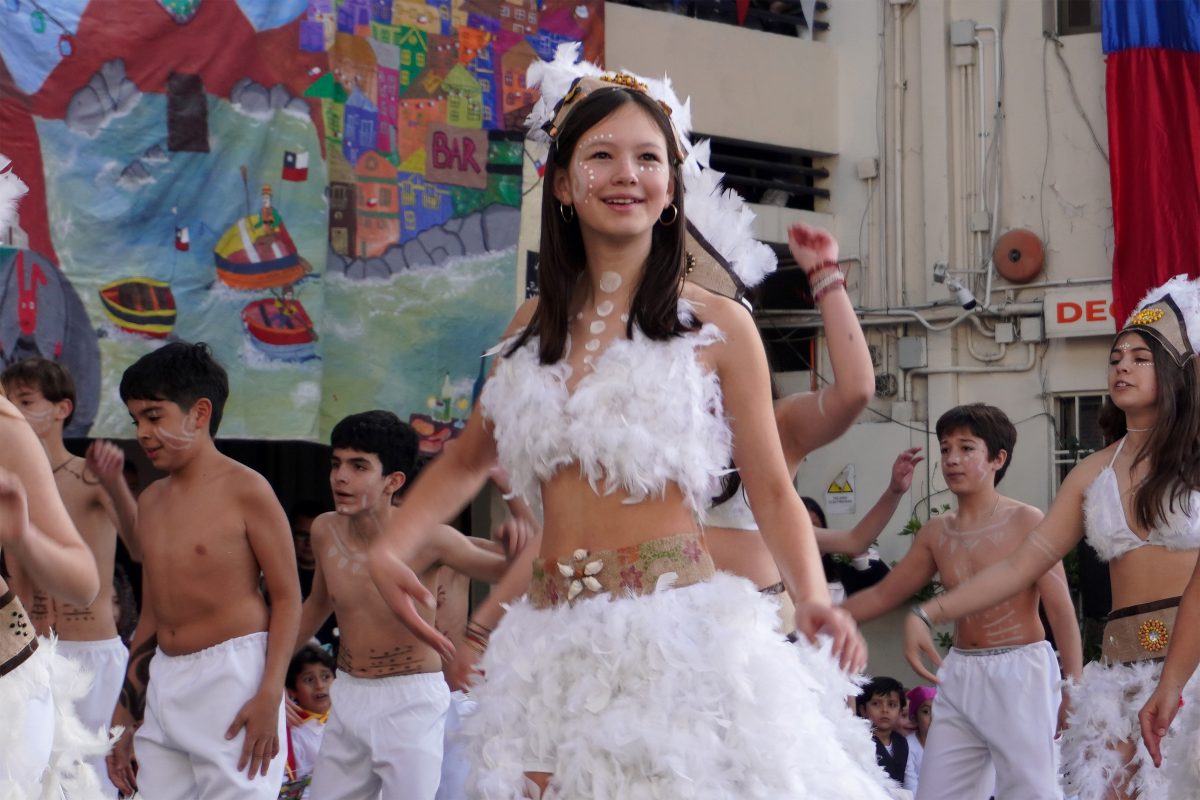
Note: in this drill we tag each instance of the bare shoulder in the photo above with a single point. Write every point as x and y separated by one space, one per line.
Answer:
728 315
1083 473
1024 515
928 532
246 482
322 528
525 312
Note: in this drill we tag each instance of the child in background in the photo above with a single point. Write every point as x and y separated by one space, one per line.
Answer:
920 713
880 702
309 677
387 730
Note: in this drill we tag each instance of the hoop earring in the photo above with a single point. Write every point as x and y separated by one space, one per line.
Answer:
562 212
674 215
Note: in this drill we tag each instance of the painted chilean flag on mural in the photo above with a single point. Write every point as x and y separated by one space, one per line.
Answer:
295 166
1153 88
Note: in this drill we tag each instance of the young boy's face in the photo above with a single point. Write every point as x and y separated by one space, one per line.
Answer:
965 463
164 430
41 414
924 717
883 710
312 688
357 480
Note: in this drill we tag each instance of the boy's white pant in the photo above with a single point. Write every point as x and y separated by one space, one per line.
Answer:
385 735
996 709
456 767
191 701
105 659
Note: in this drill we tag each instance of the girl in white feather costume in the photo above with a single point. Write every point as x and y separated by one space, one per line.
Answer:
1138 501
633 670
42 743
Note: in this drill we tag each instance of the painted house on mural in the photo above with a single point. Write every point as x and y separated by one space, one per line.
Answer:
354 17
416 15
318 27
377 210
519 16
387 56
483 68
421 106
342 222
362 126
445 14
352 60
442 53
413 44
423 205
381 11
516 99
333 97
464 99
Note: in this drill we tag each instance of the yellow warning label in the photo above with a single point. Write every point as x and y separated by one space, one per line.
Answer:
840 488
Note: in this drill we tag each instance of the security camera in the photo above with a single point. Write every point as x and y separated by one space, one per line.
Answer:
961 293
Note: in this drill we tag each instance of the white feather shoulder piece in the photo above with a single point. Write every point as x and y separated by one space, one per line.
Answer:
12 189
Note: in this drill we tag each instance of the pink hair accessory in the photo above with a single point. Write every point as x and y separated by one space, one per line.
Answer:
917 697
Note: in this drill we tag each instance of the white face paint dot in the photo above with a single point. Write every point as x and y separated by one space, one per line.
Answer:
597 327
588 359
579 315
624 318
604 308
610 282
592 346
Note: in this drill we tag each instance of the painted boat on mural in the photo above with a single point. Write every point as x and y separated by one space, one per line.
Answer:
251 255
140 305
281 328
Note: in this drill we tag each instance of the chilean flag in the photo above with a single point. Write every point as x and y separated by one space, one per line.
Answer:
1153 88
182 240
295 165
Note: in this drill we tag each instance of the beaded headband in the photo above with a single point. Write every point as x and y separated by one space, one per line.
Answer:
1171 315
722 254
586 86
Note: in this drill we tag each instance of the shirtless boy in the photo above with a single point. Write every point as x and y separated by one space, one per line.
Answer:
997 701
100 504
212 693
390 699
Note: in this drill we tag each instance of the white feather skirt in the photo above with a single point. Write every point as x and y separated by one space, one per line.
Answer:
680 694
66 771
1104 709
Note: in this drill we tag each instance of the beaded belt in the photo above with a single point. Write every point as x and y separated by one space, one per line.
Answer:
1139 633
675 561
17 639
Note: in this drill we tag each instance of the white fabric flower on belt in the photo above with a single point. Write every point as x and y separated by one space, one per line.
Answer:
582 576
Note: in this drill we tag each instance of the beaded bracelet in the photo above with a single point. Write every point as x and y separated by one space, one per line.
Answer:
830 283
477 635
827 264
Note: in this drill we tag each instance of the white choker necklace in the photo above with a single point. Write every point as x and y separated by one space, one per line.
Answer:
1135 430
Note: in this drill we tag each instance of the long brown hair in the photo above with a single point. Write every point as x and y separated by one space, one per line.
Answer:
1173 446
563 260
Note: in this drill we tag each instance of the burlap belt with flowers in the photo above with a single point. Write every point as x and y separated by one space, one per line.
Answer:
673 561
17 639
1139 633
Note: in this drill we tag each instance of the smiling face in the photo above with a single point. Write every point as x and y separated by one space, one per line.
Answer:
312 688
965 462
358 483
167 434
1132 381
618 180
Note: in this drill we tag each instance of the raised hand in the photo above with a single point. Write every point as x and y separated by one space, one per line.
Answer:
812 247
515 534
903 468
849 647
106 461
402 590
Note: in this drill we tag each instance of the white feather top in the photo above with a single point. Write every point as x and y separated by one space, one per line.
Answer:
11 190
648 414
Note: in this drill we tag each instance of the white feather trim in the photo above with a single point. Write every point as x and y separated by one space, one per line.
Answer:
647 415
1186 294
1104 709
67 773
684 693
723 218
11 190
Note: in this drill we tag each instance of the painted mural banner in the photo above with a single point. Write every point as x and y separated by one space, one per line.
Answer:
328 192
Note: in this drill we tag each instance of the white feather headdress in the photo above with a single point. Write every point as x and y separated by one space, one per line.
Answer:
11 190
723 255
1171 314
